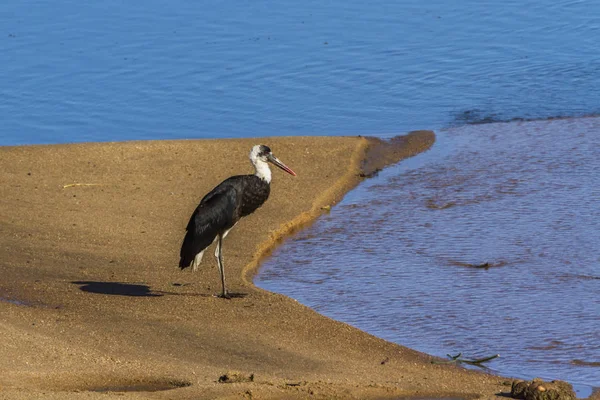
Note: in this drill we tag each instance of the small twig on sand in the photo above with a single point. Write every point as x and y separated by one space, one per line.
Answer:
457 360
80 184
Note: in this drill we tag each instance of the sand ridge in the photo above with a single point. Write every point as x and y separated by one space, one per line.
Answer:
94 305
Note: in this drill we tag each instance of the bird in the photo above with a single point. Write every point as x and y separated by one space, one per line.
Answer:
222 208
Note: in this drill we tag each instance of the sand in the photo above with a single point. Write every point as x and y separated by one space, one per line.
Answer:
93 304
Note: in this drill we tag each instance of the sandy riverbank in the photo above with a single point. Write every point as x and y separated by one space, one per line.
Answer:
92 298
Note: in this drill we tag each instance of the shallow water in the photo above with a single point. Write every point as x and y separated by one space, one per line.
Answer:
75 71
488 243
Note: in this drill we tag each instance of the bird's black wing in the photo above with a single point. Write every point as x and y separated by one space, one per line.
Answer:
217 212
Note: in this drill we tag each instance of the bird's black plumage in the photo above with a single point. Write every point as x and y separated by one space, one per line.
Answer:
224 206
220 210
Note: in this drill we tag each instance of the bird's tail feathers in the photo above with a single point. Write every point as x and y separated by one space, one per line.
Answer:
190 247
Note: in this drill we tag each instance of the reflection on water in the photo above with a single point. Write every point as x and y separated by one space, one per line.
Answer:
488 243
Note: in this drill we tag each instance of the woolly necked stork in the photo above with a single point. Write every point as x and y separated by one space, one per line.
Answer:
222 208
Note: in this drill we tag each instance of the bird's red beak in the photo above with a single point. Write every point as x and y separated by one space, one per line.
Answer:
274 160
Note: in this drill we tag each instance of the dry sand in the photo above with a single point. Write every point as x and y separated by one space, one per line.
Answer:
92 299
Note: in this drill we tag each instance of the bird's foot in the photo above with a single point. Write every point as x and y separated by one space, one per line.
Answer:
223 295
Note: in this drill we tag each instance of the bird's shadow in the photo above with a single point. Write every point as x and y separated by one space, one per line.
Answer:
230 295
116 288
137 290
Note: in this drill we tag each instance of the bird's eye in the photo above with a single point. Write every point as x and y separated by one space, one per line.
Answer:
264 150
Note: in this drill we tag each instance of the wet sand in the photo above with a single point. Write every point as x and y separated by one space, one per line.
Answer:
94 306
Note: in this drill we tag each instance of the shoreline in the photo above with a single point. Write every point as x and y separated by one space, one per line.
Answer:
105 314
371 156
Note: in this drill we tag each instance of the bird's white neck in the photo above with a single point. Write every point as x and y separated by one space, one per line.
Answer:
262 170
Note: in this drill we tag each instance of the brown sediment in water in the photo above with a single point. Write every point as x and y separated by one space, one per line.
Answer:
90 235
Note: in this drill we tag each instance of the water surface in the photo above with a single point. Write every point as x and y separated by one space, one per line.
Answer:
488 243
115 70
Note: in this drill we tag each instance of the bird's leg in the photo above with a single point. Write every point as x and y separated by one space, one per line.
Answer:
219 256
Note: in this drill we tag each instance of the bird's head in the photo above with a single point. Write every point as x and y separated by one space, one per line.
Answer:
261 155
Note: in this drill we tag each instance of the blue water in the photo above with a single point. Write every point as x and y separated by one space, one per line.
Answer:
77 71
399 256
73 71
